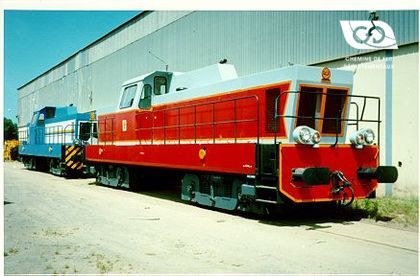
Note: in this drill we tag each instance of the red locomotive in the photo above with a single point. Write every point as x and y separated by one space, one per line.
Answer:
292 134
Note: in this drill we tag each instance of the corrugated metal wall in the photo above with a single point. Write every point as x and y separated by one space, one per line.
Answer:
252 41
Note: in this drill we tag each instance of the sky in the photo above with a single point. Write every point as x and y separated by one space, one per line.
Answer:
35 41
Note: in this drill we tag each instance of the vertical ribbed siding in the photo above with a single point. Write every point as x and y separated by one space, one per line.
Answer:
252 41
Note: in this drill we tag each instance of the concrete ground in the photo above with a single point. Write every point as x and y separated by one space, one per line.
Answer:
58 225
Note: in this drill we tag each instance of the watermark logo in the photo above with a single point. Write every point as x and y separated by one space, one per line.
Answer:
368 35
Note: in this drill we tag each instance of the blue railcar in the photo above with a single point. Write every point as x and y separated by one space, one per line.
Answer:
54 140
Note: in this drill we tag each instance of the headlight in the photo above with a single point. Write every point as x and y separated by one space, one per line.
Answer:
316 137
364 136
306 135
369 136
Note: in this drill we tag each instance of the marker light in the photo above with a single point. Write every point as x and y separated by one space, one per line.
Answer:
364 136
306 135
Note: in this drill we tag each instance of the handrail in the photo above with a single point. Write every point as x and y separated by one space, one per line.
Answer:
195 124
105 132
23 135
51 133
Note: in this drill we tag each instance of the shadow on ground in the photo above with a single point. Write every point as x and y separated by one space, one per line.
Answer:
167 192
311 215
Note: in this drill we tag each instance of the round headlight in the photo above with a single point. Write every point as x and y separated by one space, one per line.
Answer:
360 139
305 134
369 136
316 137
364 136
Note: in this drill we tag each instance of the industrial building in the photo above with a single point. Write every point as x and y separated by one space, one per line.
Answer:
253 41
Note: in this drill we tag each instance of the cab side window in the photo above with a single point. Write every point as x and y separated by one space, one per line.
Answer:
50 112
128 96
160 86
88 131
84 131
146 97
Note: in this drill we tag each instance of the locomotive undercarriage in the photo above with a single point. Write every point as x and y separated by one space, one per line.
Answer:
43 164
251 193
228 192
132 177
34 163
52 165
115 176
222 191
57 167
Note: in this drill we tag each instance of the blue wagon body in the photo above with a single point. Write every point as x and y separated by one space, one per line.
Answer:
54 139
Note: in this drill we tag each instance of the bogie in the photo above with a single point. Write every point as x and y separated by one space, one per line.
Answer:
118 176
56 167
219 191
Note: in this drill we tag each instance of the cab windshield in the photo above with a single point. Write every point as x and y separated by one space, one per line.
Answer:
322 108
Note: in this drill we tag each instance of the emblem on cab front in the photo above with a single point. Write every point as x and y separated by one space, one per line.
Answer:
326 74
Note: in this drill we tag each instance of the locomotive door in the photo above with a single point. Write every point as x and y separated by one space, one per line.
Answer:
144 120
40 130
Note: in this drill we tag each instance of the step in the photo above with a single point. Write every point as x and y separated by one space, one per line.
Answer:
266 187
265 201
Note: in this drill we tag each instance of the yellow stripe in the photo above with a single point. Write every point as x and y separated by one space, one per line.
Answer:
60 132
69 163
72 154
75 165
69 149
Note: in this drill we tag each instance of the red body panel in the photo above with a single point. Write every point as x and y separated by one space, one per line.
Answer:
224 158
171 135
231 116
343 158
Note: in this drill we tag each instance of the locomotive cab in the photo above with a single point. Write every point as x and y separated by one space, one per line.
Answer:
139 93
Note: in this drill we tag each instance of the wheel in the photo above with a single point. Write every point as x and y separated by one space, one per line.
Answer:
25 162
52 166
120 175
99 174
32 164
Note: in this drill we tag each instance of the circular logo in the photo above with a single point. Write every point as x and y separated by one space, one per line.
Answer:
326 74
202 154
